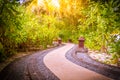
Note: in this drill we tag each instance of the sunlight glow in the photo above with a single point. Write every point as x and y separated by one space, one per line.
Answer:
61 7
40 2
54 3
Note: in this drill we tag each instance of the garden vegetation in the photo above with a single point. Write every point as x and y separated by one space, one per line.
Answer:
38 22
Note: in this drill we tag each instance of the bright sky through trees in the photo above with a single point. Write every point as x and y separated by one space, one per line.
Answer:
55 3
21 1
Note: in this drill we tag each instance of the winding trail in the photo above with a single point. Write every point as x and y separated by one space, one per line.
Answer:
65 69
50 64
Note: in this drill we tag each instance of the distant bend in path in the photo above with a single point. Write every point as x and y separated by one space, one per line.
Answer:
65 69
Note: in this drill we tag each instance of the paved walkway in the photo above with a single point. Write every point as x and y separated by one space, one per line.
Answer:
66 70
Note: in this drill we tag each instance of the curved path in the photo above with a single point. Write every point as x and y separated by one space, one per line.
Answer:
49 64
66 70
28 68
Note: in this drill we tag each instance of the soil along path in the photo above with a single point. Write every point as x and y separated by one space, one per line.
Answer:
66 70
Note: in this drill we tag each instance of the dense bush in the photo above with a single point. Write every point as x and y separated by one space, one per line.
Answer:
31 25
9 23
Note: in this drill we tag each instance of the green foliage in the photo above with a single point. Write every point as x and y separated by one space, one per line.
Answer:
2 55
9 22
21 29
115 47
100 23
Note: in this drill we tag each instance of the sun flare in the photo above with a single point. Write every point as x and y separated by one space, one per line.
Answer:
54 3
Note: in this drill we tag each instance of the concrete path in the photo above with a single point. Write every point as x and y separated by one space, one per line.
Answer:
66 70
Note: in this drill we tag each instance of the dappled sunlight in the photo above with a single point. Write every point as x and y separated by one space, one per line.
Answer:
49 6
61 7
54 3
